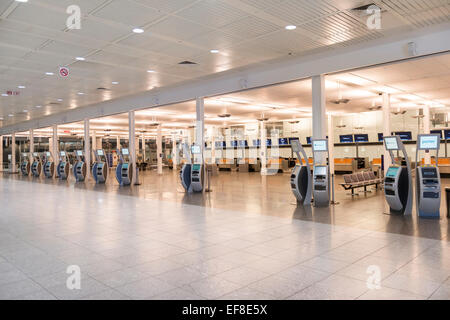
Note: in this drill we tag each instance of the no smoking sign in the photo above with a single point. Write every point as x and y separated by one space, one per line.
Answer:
64 72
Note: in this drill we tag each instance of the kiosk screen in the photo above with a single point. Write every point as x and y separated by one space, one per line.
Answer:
48 154
63 153
79 153
100 152
320 145
196 167
429 173
428 142
195 150
392 172
391 143
125 152
320 171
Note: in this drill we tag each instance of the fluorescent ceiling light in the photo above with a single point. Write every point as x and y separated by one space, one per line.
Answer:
4 95
23 1
138 30
214 51
21 87
80 93
60 100
25 111
10 115
291 27
151 71
80 58
115 82
49 73
38 107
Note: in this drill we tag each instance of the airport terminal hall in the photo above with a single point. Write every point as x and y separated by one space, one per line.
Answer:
224 150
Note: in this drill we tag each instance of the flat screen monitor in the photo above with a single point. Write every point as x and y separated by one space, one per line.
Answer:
79 153
361 137
269 142
439 132
218 144
447 134
100 153
125 152
234 143
392 172
308 140
346 138
320 145
380 137
62 153
35 154
256 143
404 135
428 142
48 154
283 141
224 144
195 149
293 139
196 167
391 143
243 143
320 171
429 173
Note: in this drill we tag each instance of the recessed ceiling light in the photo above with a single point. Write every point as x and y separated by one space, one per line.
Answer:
60 100
21 87
80 58
22 1
291 27
38 107
214 51
4 95
25 110
10 115
151 71
80 93
115 82
138 30
49 73
1 118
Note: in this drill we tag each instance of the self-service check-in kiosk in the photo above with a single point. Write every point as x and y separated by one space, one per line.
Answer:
185 173
197 170
100 168
428 179
398 181
25 166
301 180
49 165
63 167
321 173
124 170
36 166
80 167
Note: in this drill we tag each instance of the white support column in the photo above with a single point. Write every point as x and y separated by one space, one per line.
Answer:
118 142
386 126
331 141
87 146
143 145
94 140
55 145
213 145
426 129
132 140
200 127
31 145
13 153
159 149
263 148
319 117
1 153
174 152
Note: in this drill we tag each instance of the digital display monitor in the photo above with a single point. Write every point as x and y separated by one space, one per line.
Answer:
234 143
404 135
196 167
218 144
392 172
100 153
224 144
439 132
48 154
320 145
429 142
243 143
283 141
196 150
447 134
346 138
380 137
429 173
391 143
62 153
256 143
79 153
269 142
35 154
293 139
125 152
361 137
308 140
320 171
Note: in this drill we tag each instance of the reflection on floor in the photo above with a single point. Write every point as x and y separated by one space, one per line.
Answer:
128 247
271 195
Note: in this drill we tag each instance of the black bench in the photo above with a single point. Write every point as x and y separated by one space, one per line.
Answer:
360 180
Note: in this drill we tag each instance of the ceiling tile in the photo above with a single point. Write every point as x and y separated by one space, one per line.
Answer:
167 6
249 28
40 16
178 28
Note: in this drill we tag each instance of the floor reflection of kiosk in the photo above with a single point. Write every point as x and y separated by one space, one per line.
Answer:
49 165
25 166
198 169
321 173
63 167
124 170
36 166
80 167
398 181
428 180
301 182
100 168
185 173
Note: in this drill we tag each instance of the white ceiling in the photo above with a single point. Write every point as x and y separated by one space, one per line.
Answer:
34 40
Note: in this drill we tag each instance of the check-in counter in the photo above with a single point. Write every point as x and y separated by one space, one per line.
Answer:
443 165
348 165
278 164
249 165
227 164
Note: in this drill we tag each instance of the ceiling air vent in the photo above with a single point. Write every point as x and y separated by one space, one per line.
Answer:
263 119
103 89
224 115
186 62
364 7
54 103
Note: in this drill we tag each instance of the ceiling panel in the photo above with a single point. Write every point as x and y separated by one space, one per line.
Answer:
40 16
249 28
299 12
167 6
86 6
68 49
178 28
98 30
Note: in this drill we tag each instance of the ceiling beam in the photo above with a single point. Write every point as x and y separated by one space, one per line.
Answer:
428 41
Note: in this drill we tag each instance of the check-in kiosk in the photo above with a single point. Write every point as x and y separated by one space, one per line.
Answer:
80 167
36 166
398 181
100 168
198 169
49 165
63 167
185 173
25 165
428 179
301 180
321 173
124 170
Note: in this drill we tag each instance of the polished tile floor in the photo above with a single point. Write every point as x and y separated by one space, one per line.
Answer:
154 242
